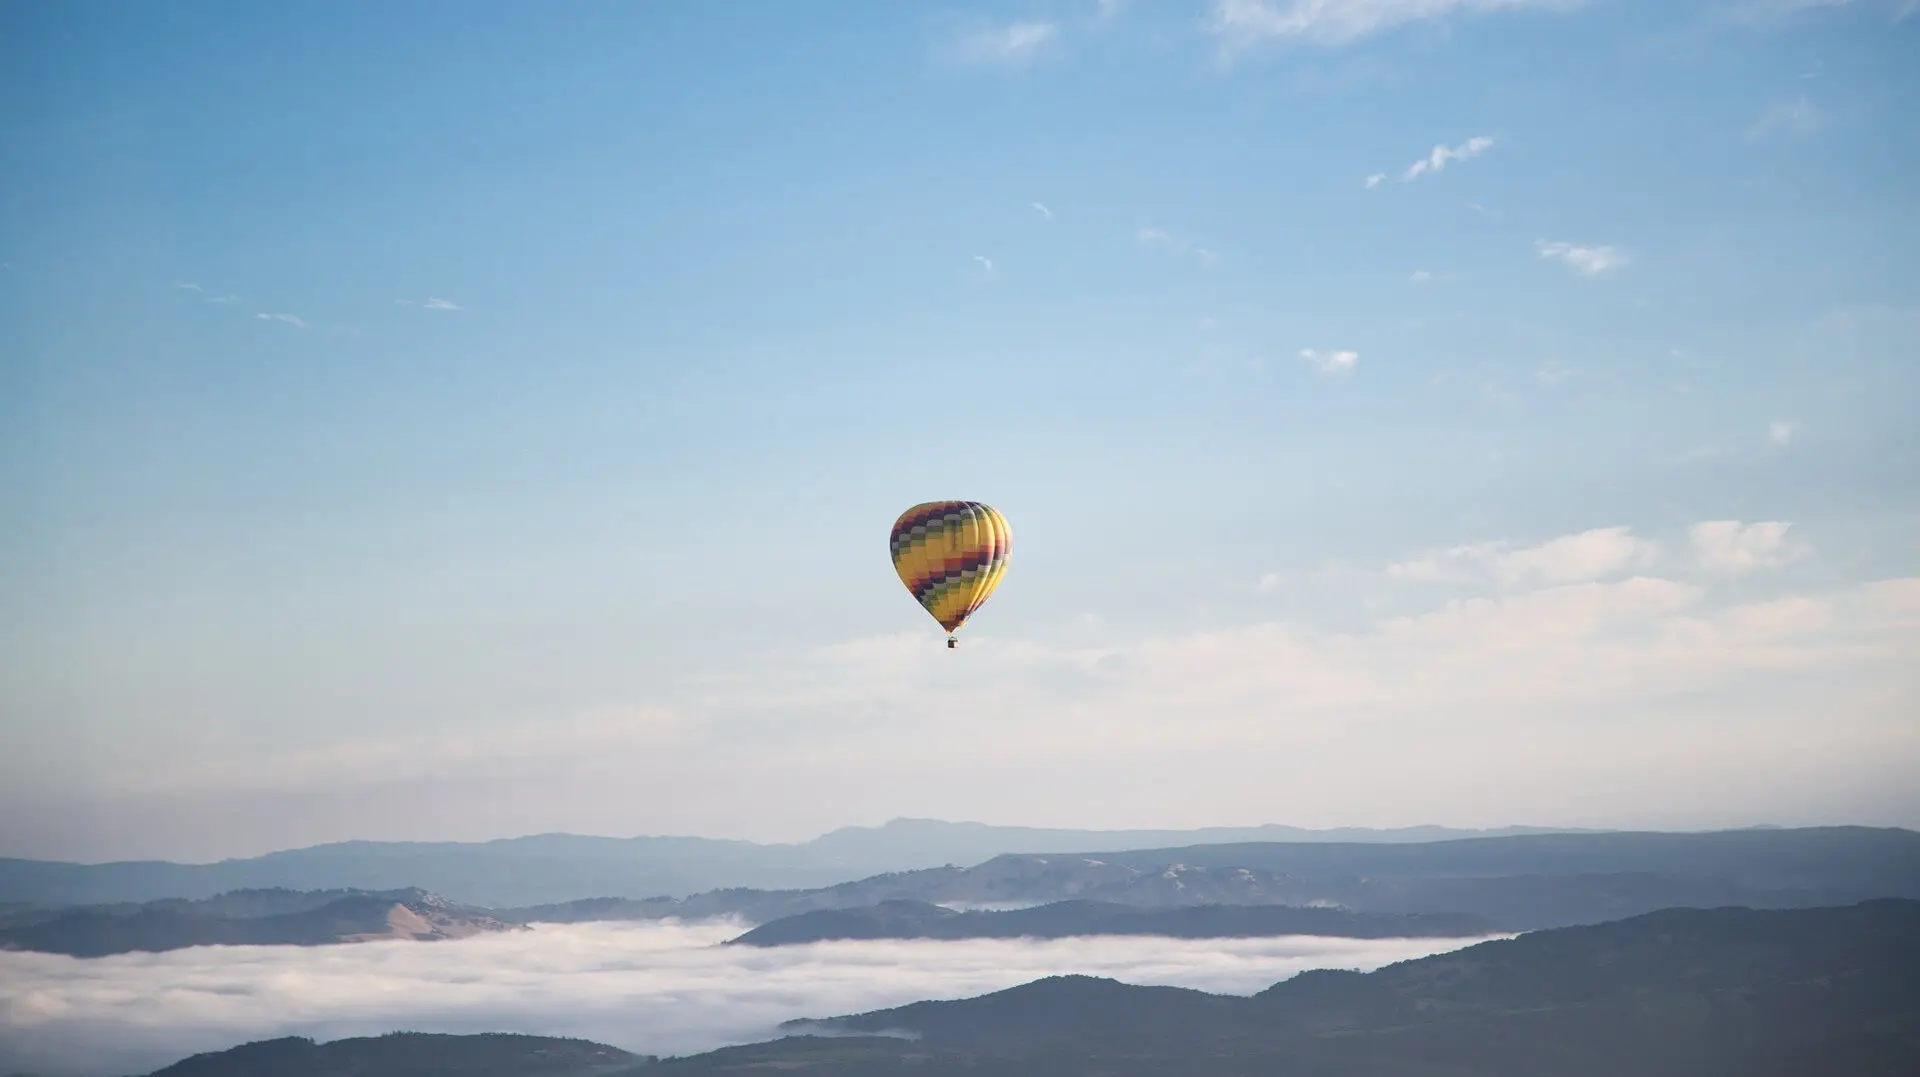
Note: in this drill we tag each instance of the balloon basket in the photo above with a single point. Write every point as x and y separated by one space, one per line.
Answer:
952 643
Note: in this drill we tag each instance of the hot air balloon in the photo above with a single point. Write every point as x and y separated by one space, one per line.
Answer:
951 555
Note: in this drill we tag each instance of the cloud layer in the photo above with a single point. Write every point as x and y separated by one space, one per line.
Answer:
1601 677
1589 555
661 988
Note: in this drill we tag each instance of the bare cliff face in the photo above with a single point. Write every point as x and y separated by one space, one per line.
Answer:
428 920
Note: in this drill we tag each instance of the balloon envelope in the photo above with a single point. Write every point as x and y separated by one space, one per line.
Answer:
951 555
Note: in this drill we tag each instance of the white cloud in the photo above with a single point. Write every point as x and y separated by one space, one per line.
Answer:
1420 276
1332 361
1436 160
186 286
1771 10
287 318
1043 210
1241 24
1374 180
1577 558
1590 261
1733 547
651 988
1798 118
1270 581
1552 372
1781 431
439 304
1014 44
1155 237
1164 240
986 264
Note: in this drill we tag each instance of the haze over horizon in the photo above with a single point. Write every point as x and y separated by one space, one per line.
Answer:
448 422
901 823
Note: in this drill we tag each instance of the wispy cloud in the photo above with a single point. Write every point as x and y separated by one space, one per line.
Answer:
1733 547
297 323
440 304
1331 361
1578 558
1421 276
1155 237
1374 180
1243 24
1012 45
656 988
1781 431
1797 118
985 263
1767 11
1179 245
210 297
1551 372
1042 209
1590 261
1437 159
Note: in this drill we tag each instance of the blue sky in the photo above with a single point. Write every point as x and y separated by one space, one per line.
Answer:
456 420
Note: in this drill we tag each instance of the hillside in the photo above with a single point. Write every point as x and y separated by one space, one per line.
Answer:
305 921
410 1054
1697 992
1062 919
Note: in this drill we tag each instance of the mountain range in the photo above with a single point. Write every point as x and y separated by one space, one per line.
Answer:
1506 884
548 868
1516 883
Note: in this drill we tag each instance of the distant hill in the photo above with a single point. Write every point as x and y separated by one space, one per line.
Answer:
1063 919
1516 883
256 918
1694 992
1509 884
410 1054
551 868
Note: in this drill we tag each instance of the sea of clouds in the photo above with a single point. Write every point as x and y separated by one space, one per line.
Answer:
656 988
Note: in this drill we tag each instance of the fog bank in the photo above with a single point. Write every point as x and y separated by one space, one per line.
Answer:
654 988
